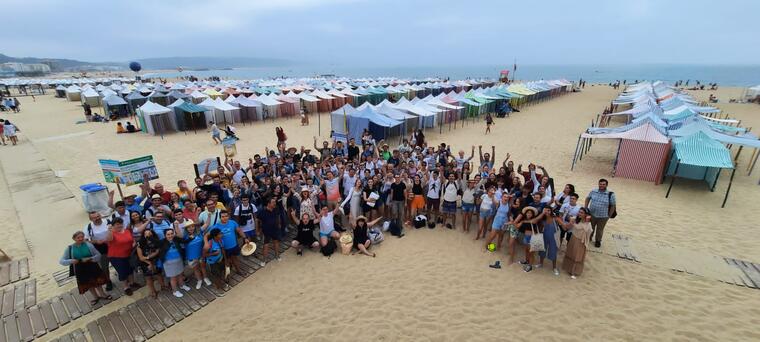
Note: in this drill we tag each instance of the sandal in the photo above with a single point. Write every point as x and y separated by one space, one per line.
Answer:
128 291
108 297
95 301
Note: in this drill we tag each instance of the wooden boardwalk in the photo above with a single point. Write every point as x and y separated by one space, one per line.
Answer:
13 271
148 317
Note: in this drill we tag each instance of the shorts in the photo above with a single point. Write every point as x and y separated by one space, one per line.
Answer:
123 267
433 203
234 251
468 207
251 234
418 202
325 235
217 270
484 214
449 207
306 240
526 239
216 135
512 229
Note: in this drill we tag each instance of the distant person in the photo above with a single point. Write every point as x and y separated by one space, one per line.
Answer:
215 133
9 131
16 105
230 132
489 122
120 128
2 131
131 128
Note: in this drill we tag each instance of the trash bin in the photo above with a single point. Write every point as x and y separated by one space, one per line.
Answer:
95 198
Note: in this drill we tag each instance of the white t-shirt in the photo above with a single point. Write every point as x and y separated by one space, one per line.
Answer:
99 232
434 188
238 176
213 217
326 223
486 203
450 192
568 210
251 223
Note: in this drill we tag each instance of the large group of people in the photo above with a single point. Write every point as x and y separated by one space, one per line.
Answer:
328 192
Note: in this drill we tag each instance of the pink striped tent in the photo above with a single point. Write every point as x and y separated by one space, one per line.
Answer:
642 154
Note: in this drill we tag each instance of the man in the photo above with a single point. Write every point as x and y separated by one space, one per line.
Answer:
433 202
271 225
230 232
244 214
460 159
567 212
601 204
215 133
398 196
120 212
327 225
487 159
353 150
97 233
156 206
349 179
158 224
324 152
405 147
449 207
209 217
158 189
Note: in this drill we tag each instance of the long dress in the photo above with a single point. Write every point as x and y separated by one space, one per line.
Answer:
355 202
576 249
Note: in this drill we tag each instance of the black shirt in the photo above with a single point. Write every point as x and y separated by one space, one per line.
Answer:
397 191
353 151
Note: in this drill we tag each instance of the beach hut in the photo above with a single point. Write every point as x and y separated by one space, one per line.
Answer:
220 112
135 100
156 119
175 95
159 98
60 91
115 105
250 110
189 116
198 97
351 122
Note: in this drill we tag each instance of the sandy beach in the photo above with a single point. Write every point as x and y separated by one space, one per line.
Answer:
431 285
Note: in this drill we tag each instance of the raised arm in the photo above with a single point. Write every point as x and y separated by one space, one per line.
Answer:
504 164
493 154
472 153
480 152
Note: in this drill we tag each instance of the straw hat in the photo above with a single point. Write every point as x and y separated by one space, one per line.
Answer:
305 189
248 249
361 217
534 210
346 238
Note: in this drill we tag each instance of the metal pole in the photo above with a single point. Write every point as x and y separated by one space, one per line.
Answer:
729 188
575 155
673 178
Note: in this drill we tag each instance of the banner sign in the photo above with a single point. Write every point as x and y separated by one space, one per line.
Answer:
128 172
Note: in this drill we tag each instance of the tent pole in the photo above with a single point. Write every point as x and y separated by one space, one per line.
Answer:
575 155
673 178
752 168
583 146
729 188
715 182
738 153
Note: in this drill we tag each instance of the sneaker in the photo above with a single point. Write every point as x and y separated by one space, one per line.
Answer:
178 294
538 266
185 287
448 225
299 253
556 272
278 258
109 286
207 281
598 244
527 268
572 277
198 284
262 264
522 262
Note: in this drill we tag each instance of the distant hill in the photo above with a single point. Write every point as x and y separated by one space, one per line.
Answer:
56 64
210 62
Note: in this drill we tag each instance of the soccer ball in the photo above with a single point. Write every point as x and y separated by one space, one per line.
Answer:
491 247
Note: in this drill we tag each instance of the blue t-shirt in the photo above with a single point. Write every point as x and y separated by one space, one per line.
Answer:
136 206
229 233
194 248
158 228
213 259
172 253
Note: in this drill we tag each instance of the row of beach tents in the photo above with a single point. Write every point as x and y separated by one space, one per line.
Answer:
668 133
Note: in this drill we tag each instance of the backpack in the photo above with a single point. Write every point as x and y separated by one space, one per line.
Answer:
420 221
244 215
395 228
376 236
328 249
609 199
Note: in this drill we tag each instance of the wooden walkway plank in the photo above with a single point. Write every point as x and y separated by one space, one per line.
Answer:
95 334
65 338
71 306
233 281
118 326
180 304
82 302
24 326
251 263
20 297
141 321
108 332
14 271
198 298
150 316
8 301
130 325
170 308
31 293
23 268
163 316
38 324
190 301
2 331
89 297
11 329
207 294
51 323
61 314
78 336
214 291
5 274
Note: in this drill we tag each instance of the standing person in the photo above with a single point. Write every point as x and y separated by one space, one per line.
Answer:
281 137
16 105
148 250
82 258
230 232
2 131
433 200
9 131
305 237
215 258
450 192
120 244
271 225
468 204
499 222
551 237
580 230
601 204
398 196
192 237
96 232
487 203
215 133
172 257
489 122
244 215
568 210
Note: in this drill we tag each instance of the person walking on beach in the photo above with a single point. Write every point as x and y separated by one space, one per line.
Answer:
16 105
82 258
215 133
601 204
489 122
9 131
2 131
96 232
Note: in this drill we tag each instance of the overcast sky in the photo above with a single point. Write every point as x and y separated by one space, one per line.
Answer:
389 32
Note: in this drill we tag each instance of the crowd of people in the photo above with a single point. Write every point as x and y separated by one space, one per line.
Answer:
328 192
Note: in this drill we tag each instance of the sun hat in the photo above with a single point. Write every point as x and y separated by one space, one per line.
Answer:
534 210
155 196
305 189
361 217
248 249
346 238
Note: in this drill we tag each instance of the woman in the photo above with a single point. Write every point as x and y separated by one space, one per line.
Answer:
551 239
514 212
9 130
489 122
487 203
305 235
370 203
564 196
136 225
175 202
526 228
215 258
120 244
172 258
82 259
575 255
190 211
307 206
183 191
418 197
361 234
192 237
499 222
148 250
355 200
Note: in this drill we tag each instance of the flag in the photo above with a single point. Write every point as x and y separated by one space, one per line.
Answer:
514 67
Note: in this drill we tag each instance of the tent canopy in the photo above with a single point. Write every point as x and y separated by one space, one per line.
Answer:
190 107
150 108
700 150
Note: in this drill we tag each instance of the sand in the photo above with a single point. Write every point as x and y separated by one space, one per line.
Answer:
435 285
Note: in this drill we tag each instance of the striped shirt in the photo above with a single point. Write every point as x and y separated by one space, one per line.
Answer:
599 205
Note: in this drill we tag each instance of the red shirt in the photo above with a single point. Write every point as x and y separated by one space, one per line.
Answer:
166 196
121 245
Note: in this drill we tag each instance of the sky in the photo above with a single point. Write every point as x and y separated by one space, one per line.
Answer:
389 32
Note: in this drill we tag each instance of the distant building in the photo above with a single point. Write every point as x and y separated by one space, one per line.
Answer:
23 69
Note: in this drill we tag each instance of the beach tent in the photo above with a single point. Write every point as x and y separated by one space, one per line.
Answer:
90 97
699 157
156 119
159 98
643 152
189 116
250 110
135 100
343 122
197 97
60 91
213 93
289 106
270 106
380 126
114 104
175 95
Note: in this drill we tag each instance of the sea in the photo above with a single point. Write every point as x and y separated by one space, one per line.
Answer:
727 75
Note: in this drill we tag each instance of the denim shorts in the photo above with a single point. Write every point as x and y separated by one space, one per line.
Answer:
468 207
484 214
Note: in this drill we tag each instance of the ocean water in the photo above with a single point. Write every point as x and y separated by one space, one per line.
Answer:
728 75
